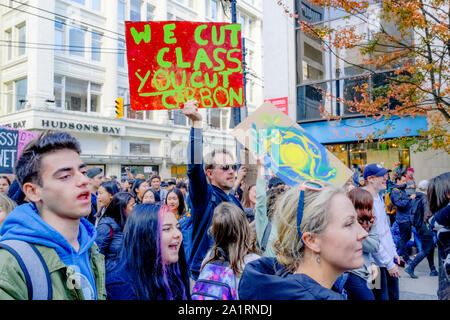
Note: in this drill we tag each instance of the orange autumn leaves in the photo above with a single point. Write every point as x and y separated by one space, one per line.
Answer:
411 44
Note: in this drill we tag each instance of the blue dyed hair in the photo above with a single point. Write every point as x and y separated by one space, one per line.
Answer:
141 255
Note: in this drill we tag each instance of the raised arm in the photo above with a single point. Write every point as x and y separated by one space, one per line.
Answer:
261 201
198 184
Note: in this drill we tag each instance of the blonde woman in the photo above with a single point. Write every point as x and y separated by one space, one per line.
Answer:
319 238
6 206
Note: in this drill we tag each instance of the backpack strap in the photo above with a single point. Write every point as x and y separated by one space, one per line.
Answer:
265 237
34 268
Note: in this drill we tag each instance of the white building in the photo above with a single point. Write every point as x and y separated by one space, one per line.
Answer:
63 63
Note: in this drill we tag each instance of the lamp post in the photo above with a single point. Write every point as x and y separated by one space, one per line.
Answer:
236 112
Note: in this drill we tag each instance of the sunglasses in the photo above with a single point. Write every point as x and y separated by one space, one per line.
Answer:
307 185
227 167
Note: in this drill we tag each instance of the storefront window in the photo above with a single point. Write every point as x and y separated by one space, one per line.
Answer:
146 170
178 171
386 153
340 151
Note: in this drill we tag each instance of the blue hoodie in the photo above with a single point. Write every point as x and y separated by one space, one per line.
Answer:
24 223
262 280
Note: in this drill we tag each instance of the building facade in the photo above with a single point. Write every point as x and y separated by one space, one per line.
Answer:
297 66
63 63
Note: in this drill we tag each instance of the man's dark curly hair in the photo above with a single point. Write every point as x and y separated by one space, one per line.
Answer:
28 166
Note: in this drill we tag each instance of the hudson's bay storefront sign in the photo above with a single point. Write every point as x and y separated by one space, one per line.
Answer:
79 126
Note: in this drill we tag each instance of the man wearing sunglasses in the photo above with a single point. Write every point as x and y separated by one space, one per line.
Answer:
220 171
375 177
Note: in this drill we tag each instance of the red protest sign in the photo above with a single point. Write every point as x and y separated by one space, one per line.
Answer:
172 62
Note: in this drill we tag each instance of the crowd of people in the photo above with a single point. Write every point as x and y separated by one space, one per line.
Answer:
67 232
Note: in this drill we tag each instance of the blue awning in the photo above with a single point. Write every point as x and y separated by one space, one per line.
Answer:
357 129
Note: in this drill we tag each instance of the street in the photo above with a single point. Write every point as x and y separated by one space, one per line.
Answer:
423 288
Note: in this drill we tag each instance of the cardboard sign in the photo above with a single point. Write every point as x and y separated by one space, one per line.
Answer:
249 162
290 152
172 62
12 143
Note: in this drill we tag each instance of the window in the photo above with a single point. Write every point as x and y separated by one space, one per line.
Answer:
179 118
246 25
58 90
214 117
351 94
21 93
22 39
76 95
76 41
95 5
59 35
139 148
79 1
150 13
9 95
309 98
121 10
96 92
187 3
121 53
211 7
96 46
310 14
243 21
135 10
214 6
8 37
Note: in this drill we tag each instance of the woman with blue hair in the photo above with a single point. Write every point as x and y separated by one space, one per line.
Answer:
151 265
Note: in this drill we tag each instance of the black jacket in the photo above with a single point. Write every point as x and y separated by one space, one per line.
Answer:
263 279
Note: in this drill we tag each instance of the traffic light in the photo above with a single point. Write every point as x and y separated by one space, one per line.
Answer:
119 107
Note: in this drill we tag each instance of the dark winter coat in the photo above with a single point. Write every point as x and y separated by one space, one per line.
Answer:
109 240
201 194
263 279
402 201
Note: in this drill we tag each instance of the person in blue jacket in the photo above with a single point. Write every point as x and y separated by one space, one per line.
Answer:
315 246
110 227
403 216
54 178
204 197
151 265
